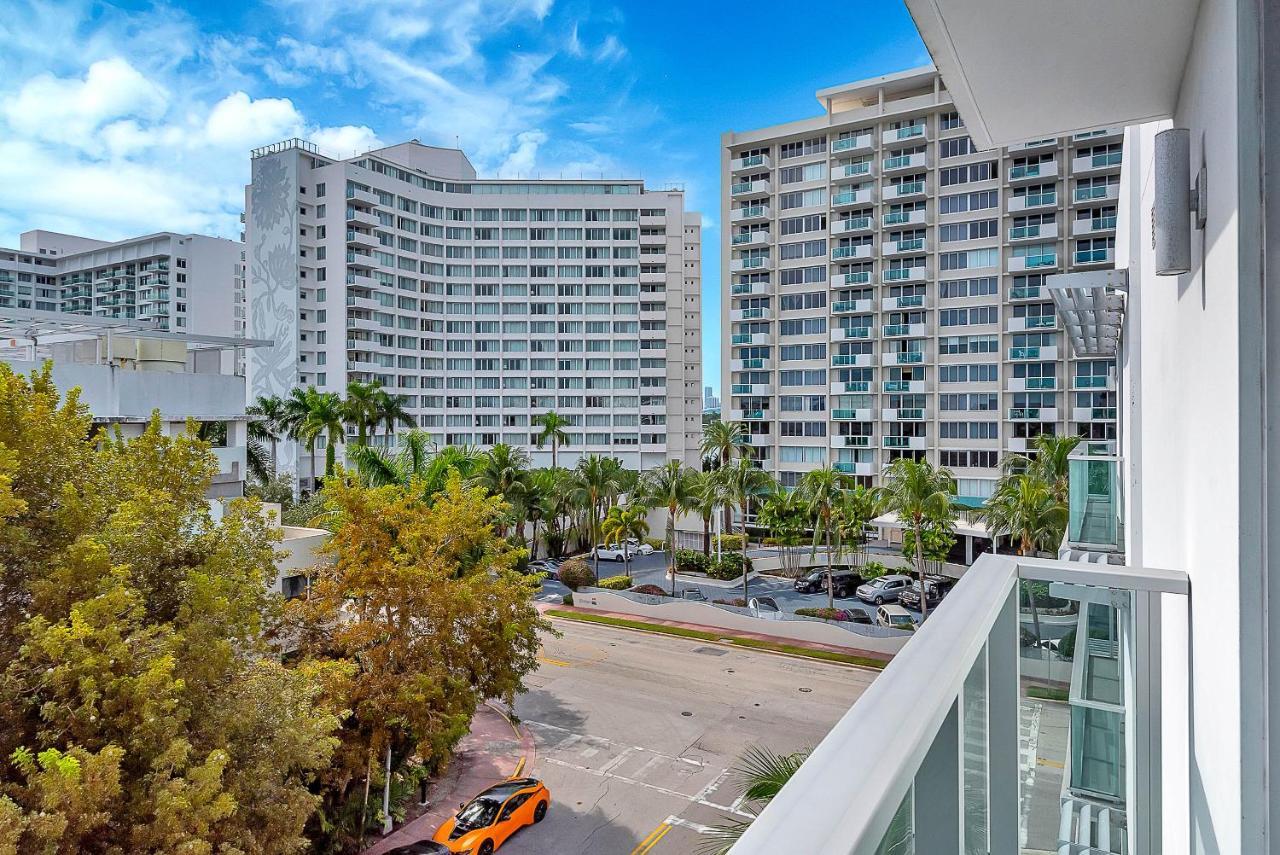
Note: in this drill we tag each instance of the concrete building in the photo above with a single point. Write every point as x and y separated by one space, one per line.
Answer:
709 399
885 285
126 370
184 283
485 303
1161 722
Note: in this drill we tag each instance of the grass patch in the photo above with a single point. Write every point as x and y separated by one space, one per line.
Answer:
752 643
1045 693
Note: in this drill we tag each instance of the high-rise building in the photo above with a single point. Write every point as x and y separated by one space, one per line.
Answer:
885 285
180 282
485 303
709 399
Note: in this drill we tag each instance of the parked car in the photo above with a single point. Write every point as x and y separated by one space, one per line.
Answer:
885 589
486 822
895 617
858 616
638 548
843 582
611 552
422 847
936 587
694 594
537 567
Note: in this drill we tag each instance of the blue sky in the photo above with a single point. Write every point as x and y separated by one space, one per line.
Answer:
121 119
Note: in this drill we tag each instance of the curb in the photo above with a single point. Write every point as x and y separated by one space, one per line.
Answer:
527 744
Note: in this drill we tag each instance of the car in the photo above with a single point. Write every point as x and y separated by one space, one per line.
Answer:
612 552
895 617
638 548
483 824
885 589
858 616
694 594
422 847
843 581
936 587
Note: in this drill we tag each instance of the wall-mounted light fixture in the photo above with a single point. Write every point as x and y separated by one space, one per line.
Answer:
1176 199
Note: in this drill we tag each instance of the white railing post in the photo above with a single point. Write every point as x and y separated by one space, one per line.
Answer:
1002 723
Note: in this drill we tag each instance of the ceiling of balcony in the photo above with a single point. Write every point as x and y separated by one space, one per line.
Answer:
1028 69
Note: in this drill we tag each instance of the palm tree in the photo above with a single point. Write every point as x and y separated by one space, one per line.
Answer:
721 442
673 486
539 503
1024 508
822 491
326 415
741 482
596 483
504 471
389 411
623 522
859 506
706 498
270 426
760 775
297 424
553 431
416 459
1050 462
921 497
784 514
358 409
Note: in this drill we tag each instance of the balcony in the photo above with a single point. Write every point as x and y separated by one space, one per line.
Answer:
917 443
1093 381
852 224
758 364
862 251
1095 505
1039 261
1093 256
1093 414
1046 171
845 198
918 217
1025 292
1044 231
1093 225
855 467
858 441
912 386
747 189
1102 193
759 262
904 357
853 360
917 160
1032 201
904 330
1034 352
905 274
742 289
750 338
911 301
850 387
1094 163
901 247
1033 414
1034 384
356 216
748 415
359 238
847 333
1032 322
905 190
860 415
750 389
901 414
844 307
751 161
759 237
898 135
862 142
861 277
957 700
850 171
749 213
757 313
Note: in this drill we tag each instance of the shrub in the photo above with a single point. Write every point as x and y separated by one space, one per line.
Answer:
649 589
729 541
615 583
567 599
739 602
575 573
873 570
825 613
691 561
727 566
656 542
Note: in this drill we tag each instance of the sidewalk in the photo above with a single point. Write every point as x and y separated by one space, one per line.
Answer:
495 749
723 632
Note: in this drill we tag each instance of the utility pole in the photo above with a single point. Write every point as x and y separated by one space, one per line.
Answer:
386 795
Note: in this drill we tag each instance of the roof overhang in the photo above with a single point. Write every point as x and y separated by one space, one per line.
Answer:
1028 69
45 327
1091 305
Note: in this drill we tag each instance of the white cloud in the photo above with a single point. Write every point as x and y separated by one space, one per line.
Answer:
610 50
592 128
521 161
345 141
241 122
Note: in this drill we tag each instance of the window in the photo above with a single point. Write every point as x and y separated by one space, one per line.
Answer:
813 145
969 231
803 275
971 172
968 344
956 147
969 459
978 372
966 317
977 287
802 198
980 200
807 300
951 121
808 172
972 258
803 326
799 225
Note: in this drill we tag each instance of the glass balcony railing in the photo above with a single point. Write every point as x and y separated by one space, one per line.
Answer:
742 288
1092 256
896 218
1098 224
911 415
889 330
1019 232
844 306
1024 293
1024 413
846 198
743 238
750 211
913 245
857 386
848 170
1032 352
741 389
1029 171
1041 382
1094 381
861 277
753 262
754 415
845 359
899 162
910 301
850 143
898 273
857 441
751 160
897 385
908 358
908 187
897 442
752 314
1084 194
844 414
1033 200
910 131
1110 158
1040 321
1095 503
856 332
752 364
740 187
742 338
854 224
844 251
1044 259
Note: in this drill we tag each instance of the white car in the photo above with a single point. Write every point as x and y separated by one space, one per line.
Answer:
612 552
638 548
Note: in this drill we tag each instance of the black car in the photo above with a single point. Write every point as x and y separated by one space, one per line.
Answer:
936 587
422 847
843 582
859 616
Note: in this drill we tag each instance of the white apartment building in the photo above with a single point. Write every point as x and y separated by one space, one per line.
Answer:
1162 725
485 303
178 282
885 285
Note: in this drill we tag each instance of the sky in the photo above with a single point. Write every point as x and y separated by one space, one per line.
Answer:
123 119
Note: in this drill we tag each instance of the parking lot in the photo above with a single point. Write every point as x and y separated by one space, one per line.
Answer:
635 734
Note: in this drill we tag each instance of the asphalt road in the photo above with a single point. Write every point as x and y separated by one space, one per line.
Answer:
636 733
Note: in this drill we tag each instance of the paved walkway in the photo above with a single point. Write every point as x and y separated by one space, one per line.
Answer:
495 749
722 632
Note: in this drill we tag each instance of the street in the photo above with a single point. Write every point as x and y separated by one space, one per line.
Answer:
635 733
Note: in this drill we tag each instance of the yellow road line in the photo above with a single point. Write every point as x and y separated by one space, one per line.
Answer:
1044 761
652 840
559 662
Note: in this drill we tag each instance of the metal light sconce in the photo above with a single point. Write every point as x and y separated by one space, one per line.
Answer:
1175 200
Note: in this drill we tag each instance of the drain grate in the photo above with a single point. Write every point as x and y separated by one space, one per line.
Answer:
710 651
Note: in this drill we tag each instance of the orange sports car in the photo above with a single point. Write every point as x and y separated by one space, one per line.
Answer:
483 824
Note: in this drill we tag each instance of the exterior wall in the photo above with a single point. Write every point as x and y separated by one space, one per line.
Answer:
878 402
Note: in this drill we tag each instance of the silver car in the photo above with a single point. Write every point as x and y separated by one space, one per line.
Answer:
885 589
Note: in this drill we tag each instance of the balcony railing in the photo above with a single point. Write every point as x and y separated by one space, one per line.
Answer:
945 732
1095 503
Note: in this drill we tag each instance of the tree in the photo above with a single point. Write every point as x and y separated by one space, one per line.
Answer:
721 442
760 774
503 471
142 707
310 413
268 426
540 503
741 482
1049 462
672 486
422 594
858 507
596 481
1024 508
553 430
822 490
390 410
785 515
416 460
706 498
623 522
921 497
359 408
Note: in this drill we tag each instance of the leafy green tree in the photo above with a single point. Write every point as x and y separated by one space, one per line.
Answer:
1024 508
1048 462
596 482
309 414
706 498
389 411
268 426
503 471
622 522
785 515
721 442
822 490
921 496
742 482
760 774
554 430
359 408
672 486
858 506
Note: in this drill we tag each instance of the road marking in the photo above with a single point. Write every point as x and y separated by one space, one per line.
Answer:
559 662
1045 761
619 760
696 827
652 840
694 799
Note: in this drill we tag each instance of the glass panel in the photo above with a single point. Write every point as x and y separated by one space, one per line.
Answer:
1097 752
976 819
1094 502
900 837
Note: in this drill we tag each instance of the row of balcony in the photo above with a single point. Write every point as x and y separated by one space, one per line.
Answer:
855 225
853 387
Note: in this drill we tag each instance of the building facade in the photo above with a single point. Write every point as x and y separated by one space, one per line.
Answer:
885 285
485 303
174 282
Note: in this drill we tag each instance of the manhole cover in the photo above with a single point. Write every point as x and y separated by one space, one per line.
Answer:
805 689
728 670
686 713
710 651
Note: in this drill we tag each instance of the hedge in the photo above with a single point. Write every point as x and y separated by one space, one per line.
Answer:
575 573
727 566
691 561
729 541
825 614
615 583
